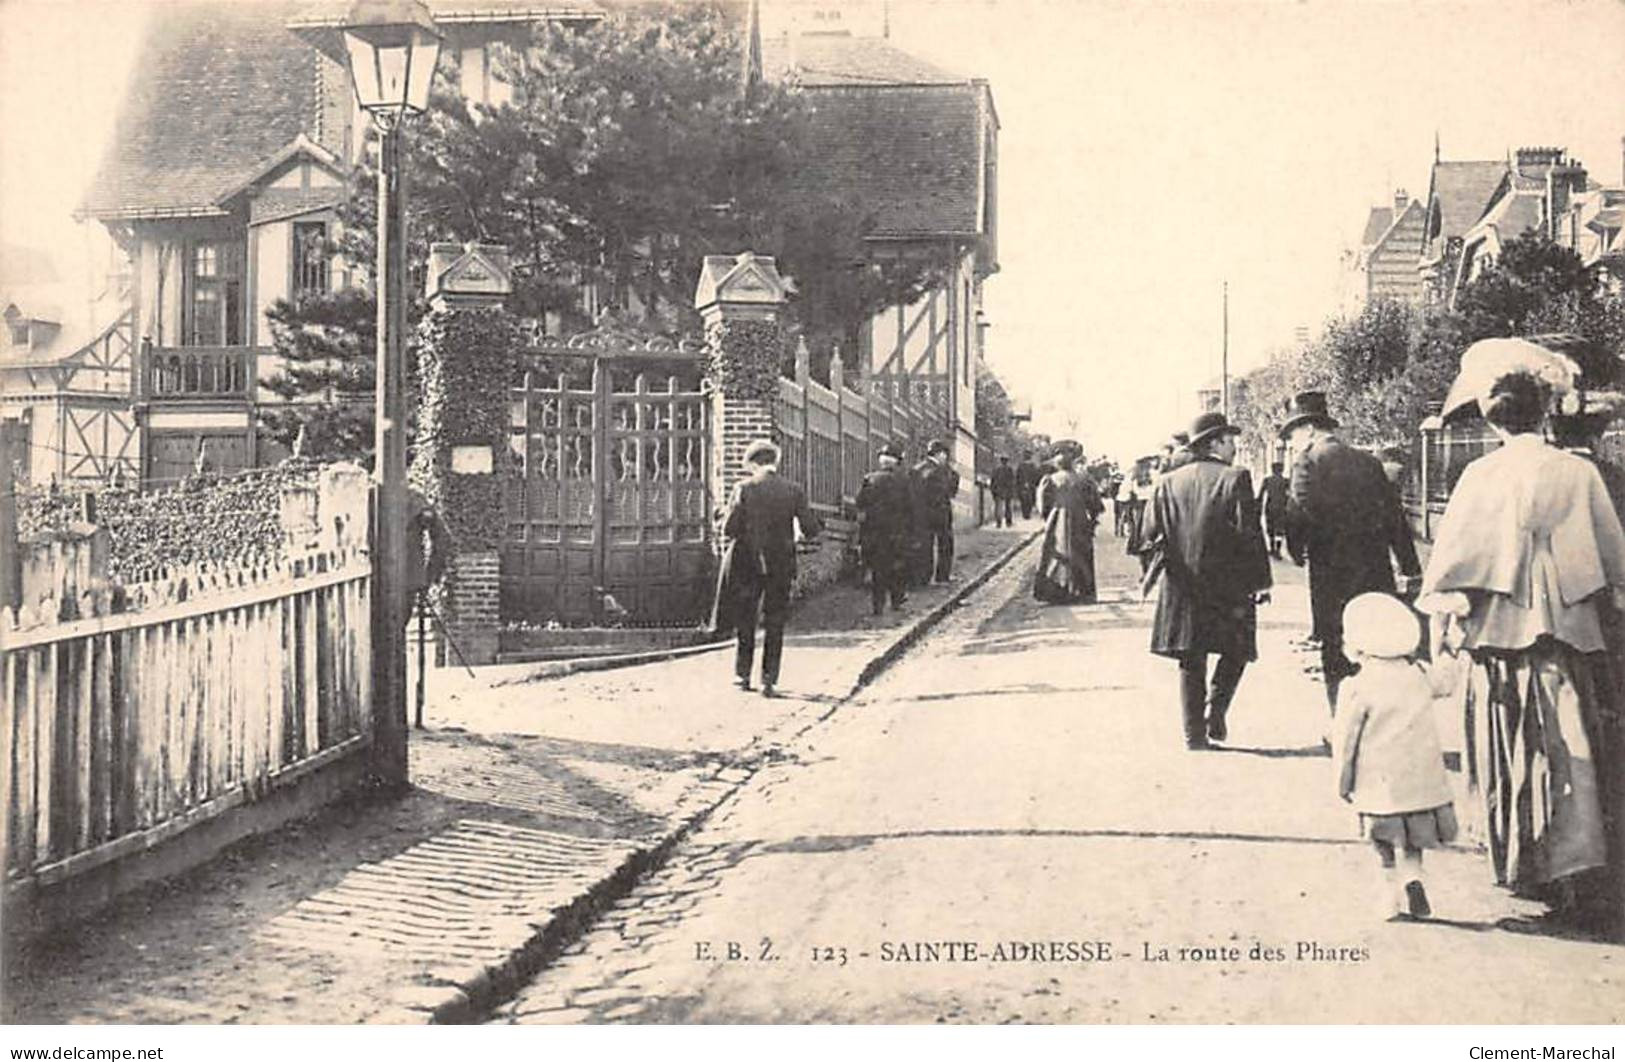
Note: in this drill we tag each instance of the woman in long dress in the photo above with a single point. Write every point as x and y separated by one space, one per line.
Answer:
1527 559
1070 505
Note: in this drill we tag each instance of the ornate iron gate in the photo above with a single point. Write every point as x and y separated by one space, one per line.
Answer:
608 515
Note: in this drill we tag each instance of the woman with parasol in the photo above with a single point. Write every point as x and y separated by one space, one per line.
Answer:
1527 566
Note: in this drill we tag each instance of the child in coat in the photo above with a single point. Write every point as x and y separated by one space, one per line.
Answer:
1386 751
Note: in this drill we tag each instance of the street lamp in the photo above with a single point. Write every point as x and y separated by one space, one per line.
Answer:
393 48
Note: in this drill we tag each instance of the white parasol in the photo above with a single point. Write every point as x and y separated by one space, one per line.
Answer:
1489 360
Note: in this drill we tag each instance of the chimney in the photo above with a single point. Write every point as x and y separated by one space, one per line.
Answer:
1401 201
1565 180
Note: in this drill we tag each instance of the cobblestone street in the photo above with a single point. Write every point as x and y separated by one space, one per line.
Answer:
1007 828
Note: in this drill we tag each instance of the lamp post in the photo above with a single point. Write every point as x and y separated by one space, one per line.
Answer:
393 48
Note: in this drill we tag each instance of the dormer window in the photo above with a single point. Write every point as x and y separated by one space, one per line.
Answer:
310 258
19 332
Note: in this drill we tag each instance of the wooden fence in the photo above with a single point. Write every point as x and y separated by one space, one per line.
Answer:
135 713
830 435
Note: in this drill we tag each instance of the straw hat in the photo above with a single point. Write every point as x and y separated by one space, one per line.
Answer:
1380 625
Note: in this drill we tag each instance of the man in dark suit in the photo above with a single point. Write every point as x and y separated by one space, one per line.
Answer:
885 515
935 486
1201 528
1273 495
1002 483
1344 519
761 522
1027 477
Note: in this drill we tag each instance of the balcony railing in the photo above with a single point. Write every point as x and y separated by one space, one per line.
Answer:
198 373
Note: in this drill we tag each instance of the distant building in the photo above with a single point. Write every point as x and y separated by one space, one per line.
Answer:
918 147
1390 250
1538 189
1458 193
1594 227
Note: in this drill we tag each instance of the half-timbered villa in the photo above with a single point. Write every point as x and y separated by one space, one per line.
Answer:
918 146
228 160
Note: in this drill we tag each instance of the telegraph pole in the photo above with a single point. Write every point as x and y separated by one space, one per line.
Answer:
1224 366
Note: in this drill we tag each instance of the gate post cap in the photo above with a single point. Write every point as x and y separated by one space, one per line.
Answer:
745 278
479 273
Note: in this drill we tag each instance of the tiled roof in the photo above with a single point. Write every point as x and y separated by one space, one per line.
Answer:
221 88
1462 190
909 155
452 12
1514 215
824 60
1377 224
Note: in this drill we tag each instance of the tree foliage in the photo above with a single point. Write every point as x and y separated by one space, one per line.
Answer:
1385 367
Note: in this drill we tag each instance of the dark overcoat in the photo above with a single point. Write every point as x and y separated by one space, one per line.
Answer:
886 502
760 551
1203 522
935 487
1345 519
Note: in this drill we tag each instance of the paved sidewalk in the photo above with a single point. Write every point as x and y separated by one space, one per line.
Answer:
534 806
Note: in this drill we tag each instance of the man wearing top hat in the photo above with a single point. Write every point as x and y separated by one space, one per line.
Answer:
1344 520
885 514
1201 529
761 522
935 484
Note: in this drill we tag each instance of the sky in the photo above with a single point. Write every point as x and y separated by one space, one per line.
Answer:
1149 154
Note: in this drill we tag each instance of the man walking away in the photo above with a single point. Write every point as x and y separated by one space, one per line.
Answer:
1202 528
761 521
936 485
1273 495
1344 519
1027 477
885 511
1003 484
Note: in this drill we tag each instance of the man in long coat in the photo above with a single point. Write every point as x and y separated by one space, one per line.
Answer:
761 524
1201 527
1344 519
935 484
1273 495
886 515
1002 484
1027 477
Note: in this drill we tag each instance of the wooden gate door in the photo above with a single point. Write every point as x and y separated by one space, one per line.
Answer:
607 513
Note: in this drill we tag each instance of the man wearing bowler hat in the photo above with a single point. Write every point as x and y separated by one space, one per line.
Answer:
1201 529
885 513
936 483
1343 520
761 522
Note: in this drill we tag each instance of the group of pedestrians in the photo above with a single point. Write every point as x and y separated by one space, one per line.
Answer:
905 532
1012 486
1521 597
906 523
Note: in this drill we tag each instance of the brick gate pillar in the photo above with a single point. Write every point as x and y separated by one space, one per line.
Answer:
467 355
741 301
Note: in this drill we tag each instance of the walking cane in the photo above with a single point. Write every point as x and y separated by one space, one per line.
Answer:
423 660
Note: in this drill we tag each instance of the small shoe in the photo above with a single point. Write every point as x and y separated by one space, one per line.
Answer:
1197 744
742 683
769 690
1216 729
1416 899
